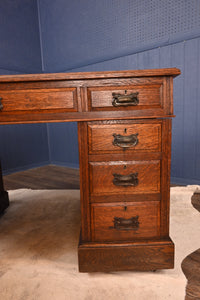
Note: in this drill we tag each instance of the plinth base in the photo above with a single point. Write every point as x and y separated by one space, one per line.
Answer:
138 256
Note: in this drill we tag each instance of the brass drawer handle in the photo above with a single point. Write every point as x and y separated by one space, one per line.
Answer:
125 180
1 105
125 141
126 224
125 100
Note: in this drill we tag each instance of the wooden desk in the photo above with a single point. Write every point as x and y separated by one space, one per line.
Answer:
124 132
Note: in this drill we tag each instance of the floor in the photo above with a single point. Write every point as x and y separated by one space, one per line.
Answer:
46 177
56 177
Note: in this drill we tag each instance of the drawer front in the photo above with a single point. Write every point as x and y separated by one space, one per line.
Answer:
124 177
115 138
125 97
125 222
37 99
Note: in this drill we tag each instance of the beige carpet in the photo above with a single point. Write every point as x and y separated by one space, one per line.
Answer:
38 252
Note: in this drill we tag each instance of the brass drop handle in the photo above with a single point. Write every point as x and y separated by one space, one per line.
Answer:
126 224
126 180
1 105
125 100
125 141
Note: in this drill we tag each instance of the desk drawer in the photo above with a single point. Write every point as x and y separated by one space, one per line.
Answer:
124 177
115 138
125 97
125 222
39 99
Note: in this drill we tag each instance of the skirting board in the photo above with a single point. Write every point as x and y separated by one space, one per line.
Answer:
184 181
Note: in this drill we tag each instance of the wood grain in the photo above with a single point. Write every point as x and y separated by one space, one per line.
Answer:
33 99
101 97
78 75
101 137
26 117
165 177
103 215
138 256
84 181
54 108
101 177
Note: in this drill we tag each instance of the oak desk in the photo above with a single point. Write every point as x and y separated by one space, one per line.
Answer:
124 133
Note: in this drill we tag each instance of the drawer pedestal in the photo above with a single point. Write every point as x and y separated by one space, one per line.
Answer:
126 195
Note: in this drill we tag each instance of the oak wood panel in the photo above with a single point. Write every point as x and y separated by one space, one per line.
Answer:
101 98
125 197
126 156
165 176
101 137
33 99
102 221
84 102
138 256
101 177
84 182
90 75
83 82
44 116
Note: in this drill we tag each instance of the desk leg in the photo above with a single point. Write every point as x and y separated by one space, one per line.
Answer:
4 200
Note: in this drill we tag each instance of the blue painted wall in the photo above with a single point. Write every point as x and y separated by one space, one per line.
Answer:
19 35
22 146
63 144
103 35
77 33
